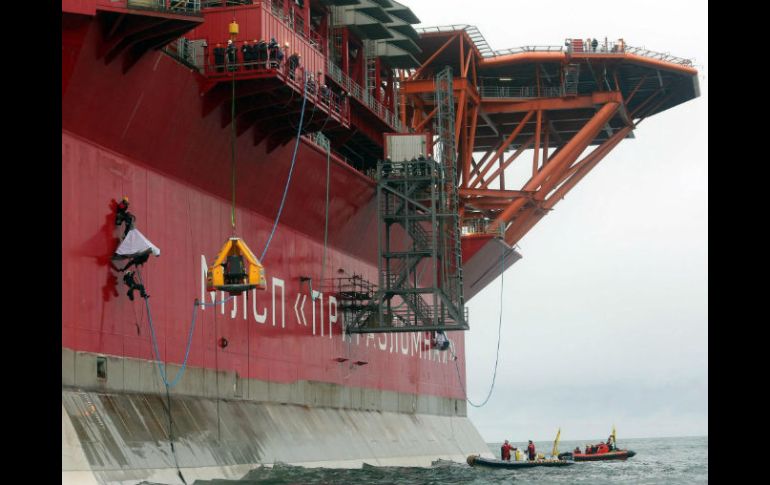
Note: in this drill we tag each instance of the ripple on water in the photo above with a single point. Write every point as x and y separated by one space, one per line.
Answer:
669 461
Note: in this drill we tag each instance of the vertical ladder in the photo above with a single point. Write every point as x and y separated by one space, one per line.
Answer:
335 49
452 249
371 66
571 77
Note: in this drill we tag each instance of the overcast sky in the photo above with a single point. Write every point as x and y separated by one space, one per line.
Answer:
605 319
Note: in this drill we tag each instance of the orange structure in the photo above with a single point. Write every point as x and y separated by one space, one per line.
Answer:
552 102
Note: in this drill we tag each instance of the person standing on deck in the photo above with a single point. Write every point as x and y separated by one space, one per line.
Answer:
231 55
531 450
246 54
505 451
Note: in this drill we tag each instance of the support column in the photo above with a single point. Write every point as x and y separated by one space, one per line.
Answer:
571 150
536 151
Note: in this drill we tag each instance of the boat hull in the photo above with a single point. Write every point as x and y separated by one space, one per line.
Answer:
612 455
479 461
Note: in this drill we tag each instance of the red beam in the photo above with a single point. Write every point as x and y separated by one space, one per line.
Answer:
571 150
586 165
527 219
494 193
536 155
459 121
431 58
501 170
469 147
491 105
639 85
504 145
425 86
422 123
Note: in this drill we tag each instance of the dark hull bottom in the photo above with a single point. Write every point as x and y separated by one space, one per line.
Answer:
474 460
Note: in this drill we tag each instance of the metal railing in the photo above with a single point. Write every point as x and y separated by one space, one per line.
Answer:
186 7
296 23
191 53
479 226
529 48
520 92
356 91
619 47
606 48
472 31
318 93
663 56
226 3
416 168
320 140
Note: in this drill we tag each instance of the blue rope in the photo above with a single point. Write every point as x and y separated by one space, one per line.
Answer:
291 170
156 351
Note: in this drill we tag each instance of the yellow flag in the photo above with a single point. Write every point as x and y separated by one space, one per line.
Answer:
555 451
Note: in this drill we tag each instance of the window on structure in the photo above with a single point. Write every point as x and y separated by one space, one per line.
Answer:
101 367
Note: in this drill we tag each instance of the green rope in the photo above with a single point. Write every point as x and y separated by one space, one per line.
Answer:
233 136
326 224
325 142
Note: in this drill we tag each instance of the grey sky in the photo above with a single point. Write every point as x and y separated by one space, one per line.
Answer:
605 319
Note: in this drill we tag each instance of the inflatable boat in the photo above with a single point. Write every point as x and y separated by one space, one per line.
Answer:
476 460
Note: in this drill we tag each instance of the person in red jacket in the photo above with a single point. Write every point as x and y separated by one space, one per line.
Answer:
505 451
531 450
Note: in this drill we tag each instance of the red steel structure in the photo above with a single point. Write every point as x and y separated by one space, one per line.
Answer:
550 101
553 101
149 111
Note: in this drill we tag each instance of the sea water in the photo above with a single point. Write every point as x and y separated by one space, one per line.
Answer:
670 461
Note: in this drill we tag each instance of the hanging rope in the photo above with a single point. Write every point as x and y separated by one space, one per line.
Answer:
156 351
291 171
326 224
497 356
232 151
162 368
171 435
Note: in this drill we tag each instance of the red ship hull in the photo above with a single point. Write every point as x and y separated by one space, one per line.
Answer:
142 134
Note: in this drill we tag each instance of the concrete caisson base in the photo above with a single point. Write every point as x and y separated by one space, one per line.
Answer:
122 438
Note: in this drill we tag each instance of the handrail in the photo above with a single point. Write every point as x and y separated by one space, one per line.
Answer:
619 47
529 48
225 3
356 91
478 226
317 92
187 7
520 91
641 51
603 48
473 32
313 137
